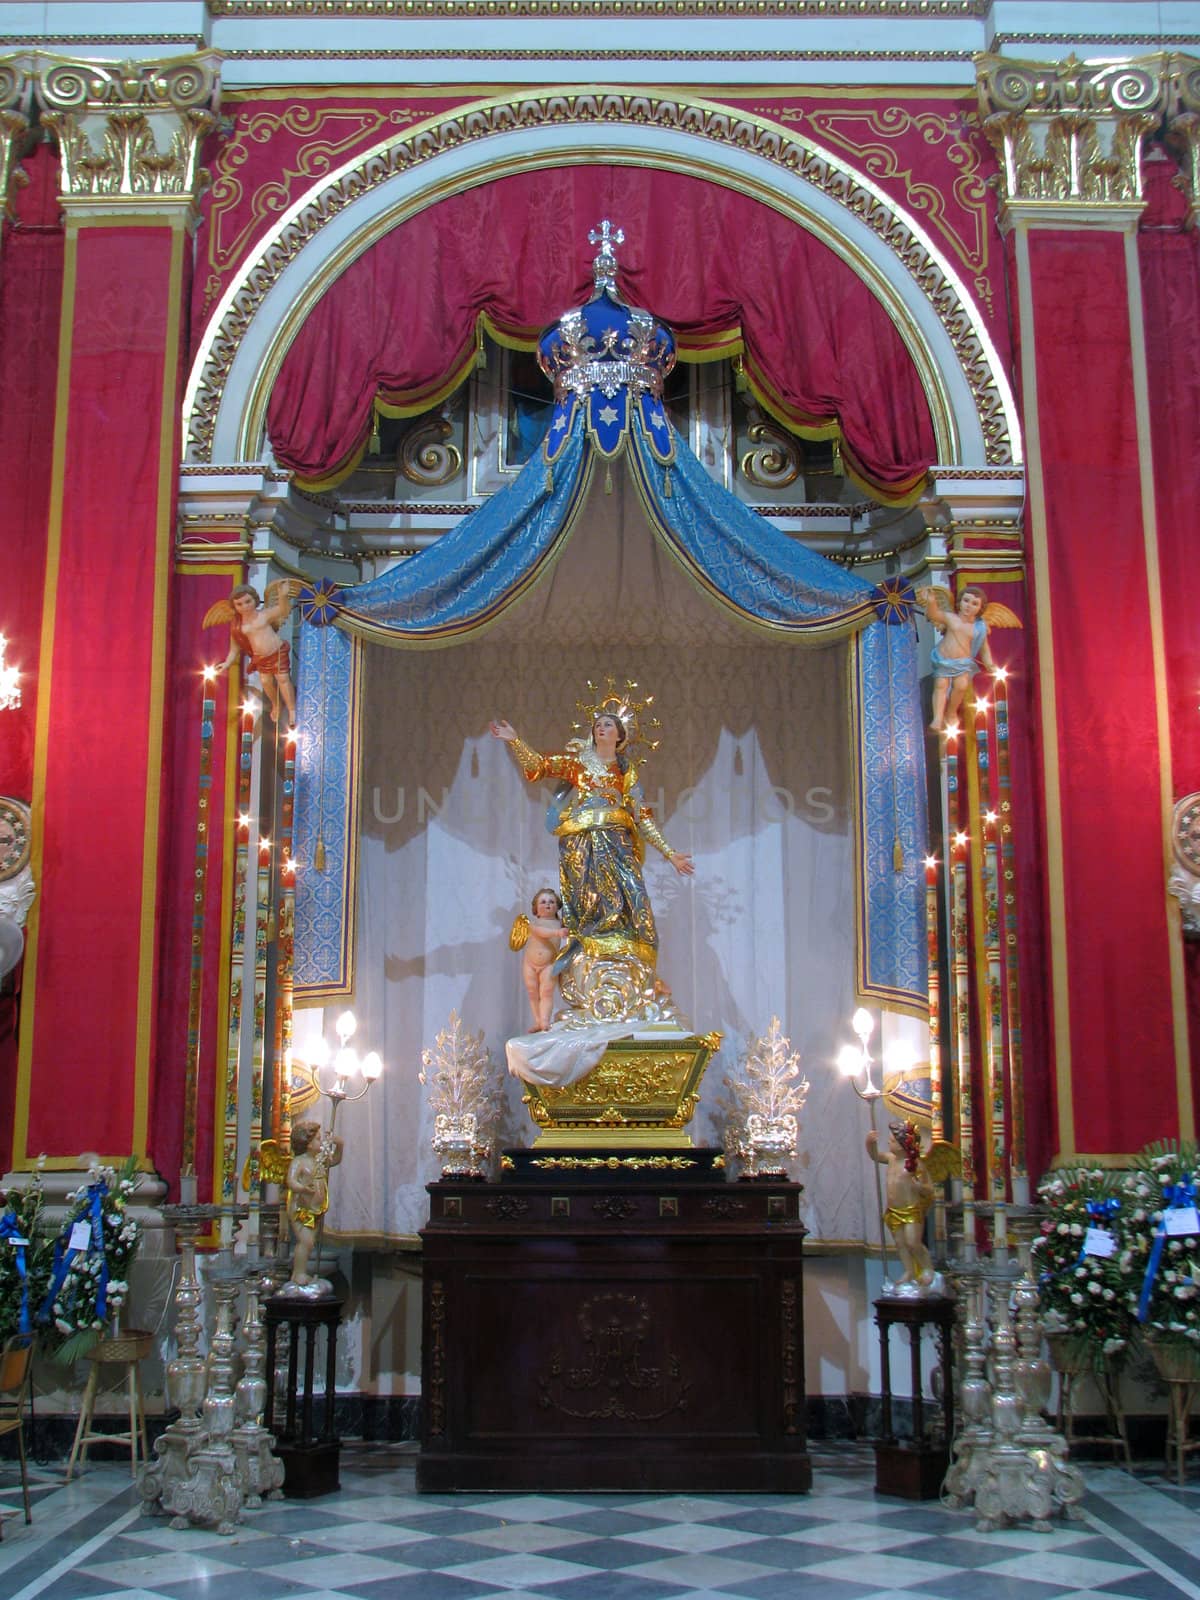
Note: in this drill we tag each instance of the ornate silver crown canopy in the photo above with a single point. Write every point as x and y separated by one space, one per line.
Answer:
606 345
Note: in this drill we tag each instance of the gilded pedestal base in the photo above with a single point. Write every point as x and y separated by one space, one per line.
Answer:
639 1096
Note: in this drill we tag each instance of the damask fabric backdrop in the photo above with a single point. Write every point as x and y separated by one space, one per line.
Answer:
752 778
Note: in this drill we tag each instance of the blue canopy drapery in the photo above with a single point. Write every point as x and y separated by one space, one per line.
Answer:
492 557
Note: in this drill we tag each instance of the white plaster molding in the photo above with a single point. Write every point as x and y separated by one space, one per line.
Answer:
374 41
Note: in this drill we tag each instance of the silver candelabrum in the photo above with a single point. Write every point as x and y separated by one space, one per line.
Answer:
1007 1459
215 1457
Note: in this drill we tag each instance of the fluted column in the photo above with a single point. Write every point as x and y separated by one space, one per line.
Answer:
1069 138
129 137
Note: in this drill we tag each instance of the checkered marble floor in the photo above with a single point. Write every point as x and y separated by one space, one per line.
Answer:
1139 1537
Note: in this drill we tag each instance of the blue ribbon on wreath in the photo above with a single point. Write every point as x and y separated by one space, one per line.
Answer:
96 1193
1177 1196
10 1231
1100 1213
64 1255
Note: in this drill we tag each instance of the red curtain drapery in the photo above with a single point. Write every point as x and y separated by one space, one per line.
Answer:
31 267
1169 256
725 272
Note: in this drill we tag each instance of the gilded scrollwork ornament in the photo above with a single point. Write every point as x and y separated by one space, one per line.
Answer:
427 457
773 462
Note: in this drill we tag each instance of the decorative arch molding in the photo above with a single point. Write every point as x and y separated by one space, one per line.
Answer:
974 413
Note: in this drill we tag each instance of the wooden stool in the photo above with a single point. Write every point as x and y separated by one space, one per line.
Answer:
127 1350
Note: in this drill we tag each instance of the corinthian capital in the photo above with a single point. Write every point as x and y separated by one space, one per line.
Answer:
1183 126
130 132
16 100
1069 134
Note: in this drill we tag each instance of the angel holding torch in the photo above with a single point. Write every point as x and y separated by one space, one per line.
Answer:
911 1175
252 625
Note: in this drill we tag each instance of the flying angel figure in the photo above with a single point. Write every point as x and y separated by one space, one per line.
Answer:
963 649
252 633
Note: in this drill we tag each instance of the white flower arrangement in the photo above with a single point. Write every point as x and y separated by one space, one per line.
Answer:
89 1284
24 1256
1083 1296
1163 1269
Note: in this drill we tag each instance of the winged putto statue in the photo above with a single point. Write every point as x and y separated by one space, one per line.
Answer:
911 1176
252 624
963 648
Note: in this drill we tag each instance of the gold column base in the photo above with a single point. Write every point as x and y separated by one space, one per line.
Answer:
639 1096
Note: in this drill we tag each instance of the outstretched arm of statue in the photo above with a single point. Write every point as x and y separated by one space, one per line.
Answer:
651 832
533 765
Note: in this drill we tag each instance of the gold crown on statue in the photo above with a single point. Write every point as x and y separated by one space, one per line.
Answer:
611 701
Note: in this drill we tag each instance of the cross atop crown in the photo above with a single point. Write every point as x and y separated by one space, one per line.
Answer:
604 266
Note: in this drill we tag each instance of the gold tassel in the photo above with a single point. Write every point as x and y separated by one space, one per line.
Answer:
319 856
480 350
374 443
740 382
839 468
608 483
549 479
897 855
667 484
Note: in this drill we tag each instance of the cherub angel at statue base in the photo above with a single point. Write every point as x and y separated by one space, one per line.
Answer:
541 936
963 648
252 625
911 1175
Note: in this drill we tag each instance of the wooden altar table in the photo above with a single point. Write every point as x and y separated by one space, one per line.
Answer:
587 1329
